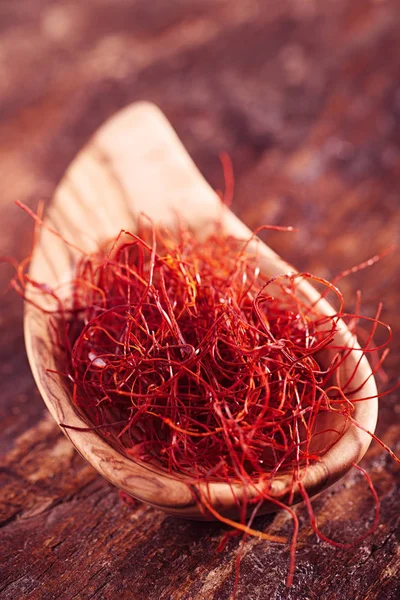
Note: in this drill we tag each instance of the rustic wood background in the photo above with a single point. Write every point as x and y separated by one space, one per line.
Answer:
305 96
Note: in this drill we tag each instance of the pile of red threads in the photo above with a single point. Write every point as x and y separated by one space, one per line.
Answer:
182 350
183 354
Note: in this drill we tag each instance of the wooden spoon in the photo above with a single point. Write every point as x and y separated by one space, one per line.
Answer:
135 163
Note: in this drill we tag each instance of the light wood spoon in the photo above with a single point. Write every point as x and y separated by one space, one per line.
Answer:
135 164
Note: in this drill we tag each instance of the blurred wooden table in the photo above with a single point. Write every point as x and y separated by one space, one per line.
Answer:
305 96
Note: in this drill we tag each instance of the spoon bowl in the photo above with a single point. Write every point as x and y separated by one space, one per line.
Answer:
136 164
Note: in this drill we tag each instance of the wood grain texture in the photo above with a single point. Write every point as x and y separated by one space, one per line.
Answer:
305 98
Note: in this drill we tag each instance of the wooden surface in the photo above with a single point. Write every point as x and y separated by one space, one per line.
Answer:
305 96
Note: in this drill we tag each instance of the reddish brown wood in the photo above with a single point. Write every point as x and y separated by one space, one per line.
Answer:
305 97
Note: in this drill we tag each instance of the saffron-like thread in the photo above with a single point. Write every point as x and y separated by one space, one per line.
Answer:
181 353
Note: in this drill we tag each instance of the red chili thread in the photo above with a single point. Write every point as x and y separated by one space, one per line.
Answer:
181 353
